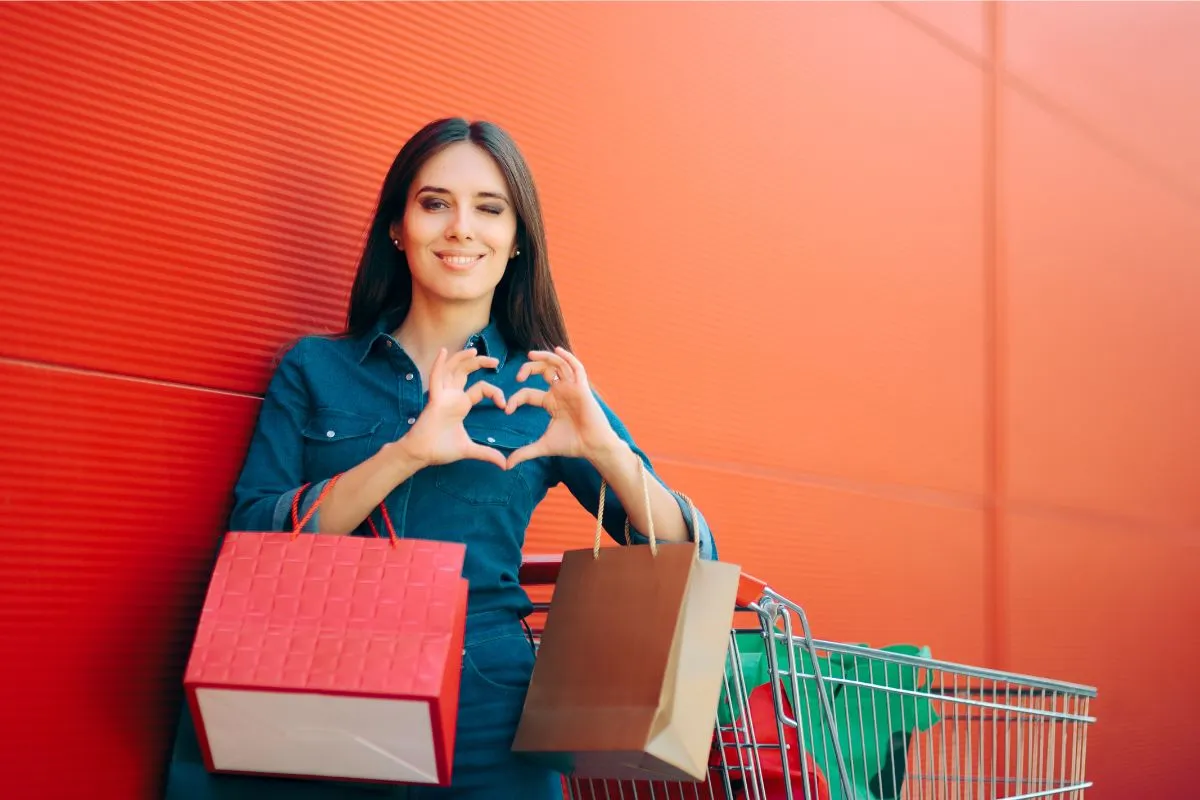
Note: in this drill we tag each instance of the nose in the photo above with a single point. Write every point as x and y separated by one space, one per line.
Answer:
460 227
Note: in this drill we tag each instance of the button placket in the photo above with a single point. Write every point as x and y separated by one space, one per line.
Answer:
408 393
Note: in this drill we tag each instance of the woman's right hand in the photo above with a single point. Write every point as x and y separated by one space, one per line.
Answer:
438 435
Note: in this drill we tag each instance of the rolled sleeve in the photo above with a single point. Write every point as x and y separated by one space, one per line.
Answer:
699 533
281 520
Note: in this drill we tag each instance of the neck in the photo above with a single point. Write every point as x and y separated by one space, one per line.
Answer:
430 326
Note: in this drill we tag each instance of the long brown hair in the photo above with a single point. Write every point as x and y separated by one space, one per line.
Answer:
525 305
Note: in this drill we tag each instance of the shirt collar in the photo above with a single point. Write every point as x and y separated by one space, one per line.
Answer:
491 343
490 340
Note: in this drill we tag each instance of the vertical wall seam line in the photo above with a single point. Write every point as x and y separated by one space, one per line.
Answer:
995 349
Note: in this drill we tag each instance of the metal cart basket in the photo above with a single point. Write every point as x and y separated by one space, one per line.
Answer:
804 718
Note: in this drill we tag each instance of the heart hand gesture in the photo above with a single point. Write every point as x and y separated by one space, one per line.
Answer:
438 435
578 425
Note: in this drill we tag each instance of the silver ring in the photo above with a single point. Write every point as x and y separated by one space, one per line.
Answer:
555 378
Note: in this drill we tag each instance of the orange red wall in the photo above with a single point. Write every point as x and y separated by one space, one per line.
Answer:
905 295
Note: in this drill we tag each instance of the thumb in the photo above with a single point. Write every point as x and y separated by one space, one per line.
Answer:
480 453
538 449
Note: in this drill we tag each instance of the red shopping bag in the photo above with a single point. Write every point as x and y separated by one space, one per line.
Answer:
767 750
331 657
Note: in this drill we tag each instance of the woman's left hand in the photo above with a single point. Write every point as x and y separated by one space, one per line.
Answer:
578 425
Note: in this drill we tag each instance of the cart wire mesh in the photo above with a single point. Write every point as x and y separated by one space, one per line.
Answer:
820 720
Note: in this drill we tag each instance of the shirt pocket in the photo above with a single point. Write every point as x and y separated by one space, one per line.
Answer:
335 441
478 482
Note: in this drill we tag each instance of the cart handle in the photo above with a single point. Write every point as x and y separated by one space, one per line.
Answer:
542 569
539 570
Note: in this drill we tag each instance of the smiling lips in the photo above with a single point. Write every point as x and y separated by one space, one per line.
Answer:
459 261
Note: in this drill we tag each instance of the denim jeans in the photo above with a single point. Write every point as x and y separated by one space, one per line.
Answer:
496 667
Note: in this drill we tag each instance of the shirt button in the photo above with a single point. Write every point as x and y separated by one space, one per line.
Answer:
412 420
389 342
330 434
408 377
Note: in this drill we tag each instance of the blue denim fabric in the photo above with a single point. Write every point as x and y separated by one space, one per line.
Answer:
333 402
497 663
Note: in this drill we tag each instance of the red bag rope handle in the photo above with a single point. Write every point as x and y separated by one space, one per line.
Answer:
298 524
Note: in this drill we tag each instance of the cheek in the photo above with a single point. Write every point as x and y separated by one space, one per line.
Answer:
415 231
503 238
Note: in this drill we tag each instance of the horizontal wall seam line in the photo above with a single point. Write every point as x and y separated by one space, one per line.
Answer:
889 491
932 497
895 492
98 373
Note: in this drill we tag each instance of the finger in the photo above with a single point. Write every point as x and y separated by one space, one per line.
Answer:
546 369
558 362
453 362
523 397
468 365
538 449
459 355
555 361
576 364
436 372
478 452
526 370
482 389
463 357
440 361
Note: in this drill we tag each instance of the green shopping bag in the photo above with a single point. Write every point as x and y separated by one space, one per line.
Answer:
747 657
750 659
873 725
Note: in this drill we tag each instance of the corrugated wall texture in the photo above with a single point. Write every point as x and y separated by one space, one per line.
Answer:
905 295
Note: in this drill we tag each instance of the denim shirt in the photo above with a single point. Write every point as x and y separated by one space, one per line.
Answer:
334 401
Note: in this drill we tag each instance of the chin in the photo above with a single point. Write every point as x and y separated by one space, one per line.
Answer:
461 293
478 284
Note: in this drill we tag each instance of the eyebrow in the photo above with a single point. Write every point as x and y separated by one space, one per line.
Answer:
440 190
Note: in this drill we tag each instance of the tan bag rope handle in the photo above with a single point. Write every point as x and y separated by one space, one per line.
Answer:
649 515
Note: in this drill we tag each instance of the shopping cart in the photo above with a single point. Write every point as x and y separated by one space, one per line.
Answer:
805 718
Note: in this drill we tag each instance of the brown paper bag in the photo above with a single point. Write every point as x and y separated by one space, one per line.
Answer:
632 661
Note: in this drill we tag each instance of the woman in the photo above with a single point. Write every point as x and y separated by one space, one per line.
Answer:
453 399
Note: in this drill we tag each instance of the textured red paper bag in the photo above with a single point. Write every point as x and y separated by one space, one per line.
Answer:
330 657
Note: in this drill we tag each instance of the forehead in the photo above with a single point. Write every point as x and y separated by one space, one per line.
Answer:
462 168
